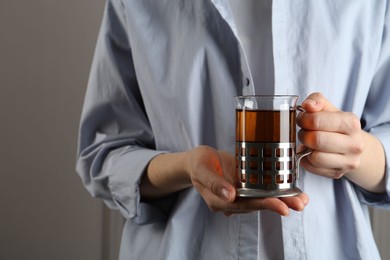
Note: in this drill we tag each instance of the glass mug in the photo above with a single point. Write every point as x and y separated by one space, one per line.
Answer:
267 164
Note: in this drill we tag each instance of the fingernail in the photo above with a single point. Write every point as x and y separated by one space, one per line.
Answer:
225 194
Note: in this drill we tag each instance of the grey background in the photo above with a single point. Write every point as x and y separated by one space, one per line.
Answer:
46 49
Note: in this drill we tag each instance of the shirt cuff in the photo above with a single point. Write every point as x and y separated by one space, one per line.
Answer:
123 182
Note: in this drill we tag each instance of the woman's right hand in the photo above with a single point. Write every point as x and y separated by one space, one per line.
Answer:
212 173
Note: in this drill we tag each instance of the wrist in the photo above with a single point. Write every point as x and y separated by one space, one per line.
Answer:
184 168
370 175
165 174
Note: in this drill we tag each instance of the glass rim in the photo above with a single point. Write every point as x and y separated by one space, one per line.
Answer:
265 96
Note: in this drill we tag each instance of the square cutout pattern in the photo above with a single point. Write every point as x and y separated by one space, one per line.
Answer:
261 164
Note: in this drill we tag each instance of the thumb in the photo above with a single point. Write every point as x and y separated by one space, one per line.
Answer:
316 102
216 183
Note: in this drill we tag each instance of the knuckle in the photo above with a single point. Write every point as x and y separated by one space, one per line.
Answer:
338 173
313 121
316 121
309 121
357 145
213 185
319 140
353 164
357 148
353 122
313 158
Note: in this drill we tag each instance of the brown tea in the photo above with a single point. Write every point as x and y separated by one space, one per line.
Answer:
265 126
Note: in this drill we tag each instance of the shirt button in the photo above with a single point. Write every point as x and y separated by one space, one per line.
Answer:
247 82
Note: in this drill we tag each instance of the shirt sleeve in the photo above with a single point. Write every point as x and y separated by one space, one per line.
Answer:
376 115
116 141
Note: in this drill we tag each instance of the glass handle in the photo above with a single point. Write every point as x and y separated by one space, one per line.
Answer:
303 153
300 108
300 155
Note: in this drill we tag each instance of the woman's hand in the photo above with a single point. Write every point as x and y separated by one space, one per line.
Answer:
334 136
340 147
212 173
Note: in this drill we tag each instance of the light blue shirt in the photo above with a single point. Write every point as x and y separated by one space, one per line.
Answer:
163 80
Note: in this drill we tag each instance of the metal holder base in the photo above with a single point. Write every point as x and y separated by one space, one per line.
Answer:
258 193
266 170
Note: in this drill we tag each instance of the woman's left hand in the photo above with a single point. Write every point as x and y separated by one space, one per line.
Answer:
334 136
340 147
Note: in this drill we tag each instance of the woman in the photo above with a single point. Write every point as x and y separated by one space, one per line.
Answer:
157 129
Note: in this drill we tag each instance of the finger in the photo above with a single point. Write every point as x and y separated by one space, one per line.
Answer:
334 173
316 102
298 202
333 161
213 201
247 205
341 122
206 180
240 205
278 205
232 213
330 164
331 142
252 204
